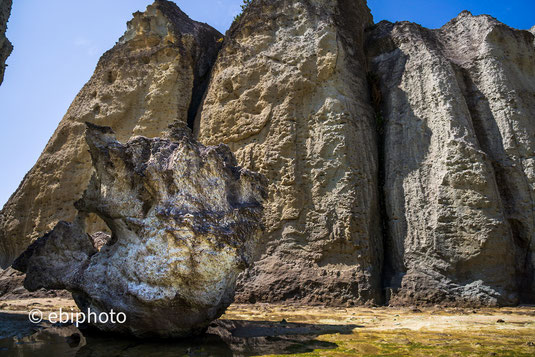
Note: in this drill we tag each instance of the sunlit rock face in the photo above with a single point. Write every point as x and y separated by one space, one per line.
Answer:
457 106
400 164
5 45
185 221
288 94
153 76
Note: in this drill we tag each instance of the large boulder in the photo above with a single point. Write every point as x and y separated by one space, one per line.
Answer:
185 221
5 45
153 76
288 94
458 140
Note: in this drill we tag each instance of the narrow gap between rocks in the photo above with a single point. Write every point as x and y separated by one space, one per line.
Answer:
387 270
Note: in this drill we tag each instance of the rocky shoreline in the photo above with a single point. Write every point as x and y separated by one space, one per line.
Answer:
276 330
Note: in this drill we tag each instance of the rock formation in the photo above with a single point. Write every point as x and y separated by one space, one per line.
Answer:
288 94
400 160
5 45
457 106
153 76
11 288
185 222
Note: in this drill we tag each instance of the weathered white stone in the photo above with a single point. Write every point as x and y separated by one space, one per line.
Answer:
185 221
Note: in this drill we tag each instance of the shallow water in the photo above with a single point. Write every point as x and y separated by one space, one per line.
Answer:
223 338
281 330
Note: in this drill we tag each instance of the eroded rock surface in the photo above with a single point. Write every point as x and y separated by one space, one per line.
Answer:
288 94
410 170
185 222
11 288
153 76
5 45
457 106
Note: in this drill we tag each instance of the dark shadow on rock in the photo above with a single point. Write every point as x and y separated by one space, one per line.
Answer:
223 338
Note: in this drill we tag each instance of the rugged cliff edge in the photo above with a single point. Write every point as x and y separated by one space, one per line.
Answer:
152 77
458 140
5 45
288 94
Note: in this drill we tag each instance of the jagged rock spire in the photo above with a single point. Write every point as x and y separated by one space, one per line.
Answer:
153 76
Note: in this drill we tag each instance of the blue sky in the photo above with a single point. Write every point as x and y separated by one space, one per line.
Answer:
58 43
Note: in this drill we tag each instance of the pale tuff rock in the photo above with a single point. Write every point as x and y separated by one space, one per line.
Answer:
152 77
288 94
457 106
5 45
185 221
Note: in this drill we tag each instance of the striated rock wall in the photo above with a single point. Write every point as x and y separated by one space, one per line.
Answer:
288 94
457 106
153 76
5 45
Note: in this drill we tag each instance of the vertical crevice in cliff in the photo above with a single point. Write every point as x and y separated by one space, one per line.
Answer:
200 85
376 98
203 74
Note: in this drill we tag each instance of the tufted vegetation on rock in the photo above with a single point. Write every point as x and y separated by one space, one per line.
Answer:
244 7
